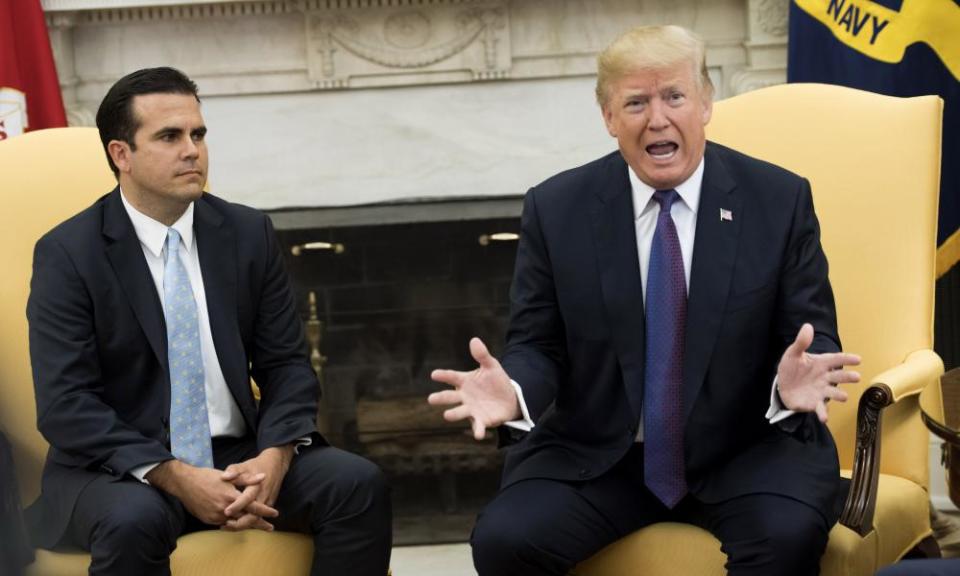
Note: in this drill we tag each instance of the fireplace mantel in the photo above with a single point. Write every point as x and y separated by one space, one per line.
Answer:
318 103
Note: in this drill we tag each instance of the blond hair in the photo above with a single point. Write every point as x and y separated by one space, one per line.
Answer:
652 48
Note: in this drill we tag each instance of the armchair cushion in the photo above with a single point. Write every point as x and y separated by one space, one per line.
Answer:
203 553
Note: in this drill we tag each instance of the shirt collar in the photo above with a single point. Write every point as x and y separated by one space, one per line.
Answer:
153 234
688 190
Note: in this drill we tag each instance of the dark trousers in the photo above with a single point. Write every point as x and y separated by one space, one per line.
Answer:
339 498
937 567
545 527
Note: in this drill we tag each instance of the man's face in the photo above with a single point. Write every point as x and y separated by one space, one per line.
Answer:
658 119
167 168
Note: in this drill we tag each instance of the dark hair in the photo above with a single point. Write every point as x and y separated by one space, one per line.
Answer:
115 117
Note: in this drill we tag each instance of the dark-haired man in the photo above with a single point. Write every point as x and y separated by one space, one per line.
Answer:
149 313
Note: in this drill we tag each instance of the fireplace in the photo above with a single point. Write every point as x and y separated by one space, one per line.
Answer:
389 292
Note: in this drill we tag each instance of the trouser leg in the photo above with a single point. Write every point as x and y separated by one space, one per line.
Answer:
127 526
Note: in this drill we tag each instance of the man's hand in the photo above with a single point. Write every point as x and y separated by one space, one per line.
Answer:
485 395
807 381
205 494
266 472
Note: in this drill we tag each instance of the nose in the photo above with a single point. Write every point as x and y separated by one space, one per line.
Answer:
658 115
191 149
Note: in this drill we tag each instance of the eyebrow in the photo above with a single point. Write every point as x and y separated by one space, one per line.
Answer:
201 130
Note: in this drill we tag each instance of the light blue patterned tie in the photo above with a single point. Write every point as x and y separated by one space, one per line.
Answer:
189 423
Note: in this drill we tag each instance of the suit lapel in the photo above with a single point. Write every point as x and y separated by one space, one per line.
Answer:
714 255
619 266
218 264
126 258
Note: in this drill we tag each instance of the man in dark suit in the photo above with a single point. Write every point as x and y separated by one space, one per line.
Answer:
149 313
646 400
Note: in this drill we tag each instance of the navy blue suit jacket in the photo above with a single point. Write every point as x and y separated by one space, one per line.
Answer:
99 352
576 337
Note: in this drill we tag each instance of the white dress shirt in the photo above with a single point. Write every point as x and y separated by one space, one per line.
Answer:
684 214
222 410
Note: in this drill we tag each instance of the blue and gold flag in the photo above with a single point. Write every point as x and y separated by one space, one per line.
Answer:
894 47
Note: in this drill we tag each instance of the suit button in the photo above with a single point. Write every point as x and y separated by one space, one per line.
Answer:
584 472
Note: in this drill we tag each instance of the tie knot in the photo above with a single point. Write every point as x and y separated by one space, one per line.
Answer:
173 242
666 198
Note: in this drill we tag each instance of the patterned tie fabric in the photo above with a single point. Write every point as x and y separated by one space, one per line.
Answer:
666 316
189 424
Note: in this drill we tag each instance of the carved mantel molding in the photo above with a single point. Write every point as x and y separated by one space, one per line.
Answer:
451 41
269 47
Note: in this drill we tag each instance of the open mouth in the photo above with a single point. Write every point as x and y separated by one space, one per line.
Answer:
662 150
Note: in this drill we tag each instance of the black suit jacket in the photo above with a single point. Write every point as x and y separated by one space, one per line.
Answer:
99 352
576 337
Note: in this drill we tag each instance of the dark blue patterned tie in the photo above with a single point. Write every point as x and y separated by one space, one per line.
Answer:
666 316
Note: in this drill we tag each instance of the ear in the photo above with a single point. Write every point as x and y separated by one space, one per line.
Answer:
707 110
609 120
120 154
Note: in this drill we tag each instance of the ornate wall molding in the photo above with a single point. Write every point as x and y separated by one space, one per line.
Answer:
160 14
765 45
245 47
748 79
63 5
772 17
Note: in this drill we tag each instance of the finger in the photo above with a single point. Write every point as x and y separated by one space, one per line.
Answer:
230 473
479 430
821 411
480 353
449 377
260 509
803 341
242 523
445 398
243 478
246 497
456 414
837 359
843 376
835 394
262 524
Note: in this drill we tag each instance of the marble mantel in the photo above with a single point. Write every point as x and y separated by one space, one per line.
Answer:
338 102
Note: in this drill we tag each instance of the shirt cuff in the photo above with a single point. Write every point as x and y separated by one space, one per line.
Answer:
300 443
526 424
777 411
140 472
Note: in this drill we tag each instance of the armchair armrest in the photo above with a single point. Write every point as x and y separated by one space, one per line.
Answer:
902 381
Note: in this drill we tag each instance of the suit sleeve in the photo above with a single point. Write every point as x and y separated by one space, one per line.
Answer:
535 355
805 295
71 414
805 292
288 386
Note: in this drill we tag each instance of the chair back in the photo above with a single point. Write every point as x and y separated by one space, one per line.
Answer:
47 176
874 164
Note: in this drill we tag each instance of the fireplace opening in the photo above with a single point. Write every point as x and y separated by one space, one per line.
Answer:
389 293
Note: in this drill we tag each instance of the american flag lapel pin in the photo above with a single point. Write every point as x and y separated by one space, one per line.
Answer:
726 215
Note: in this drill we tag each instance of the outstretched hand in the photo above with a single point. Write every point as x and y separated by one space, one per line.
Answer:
484 395
808 381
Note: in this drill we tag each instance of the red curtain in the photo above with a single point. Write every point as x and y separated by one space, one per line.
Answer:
30 96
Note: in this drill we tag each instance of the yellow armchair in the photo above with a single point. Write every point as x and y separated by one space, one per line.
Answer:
47 177
874 164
